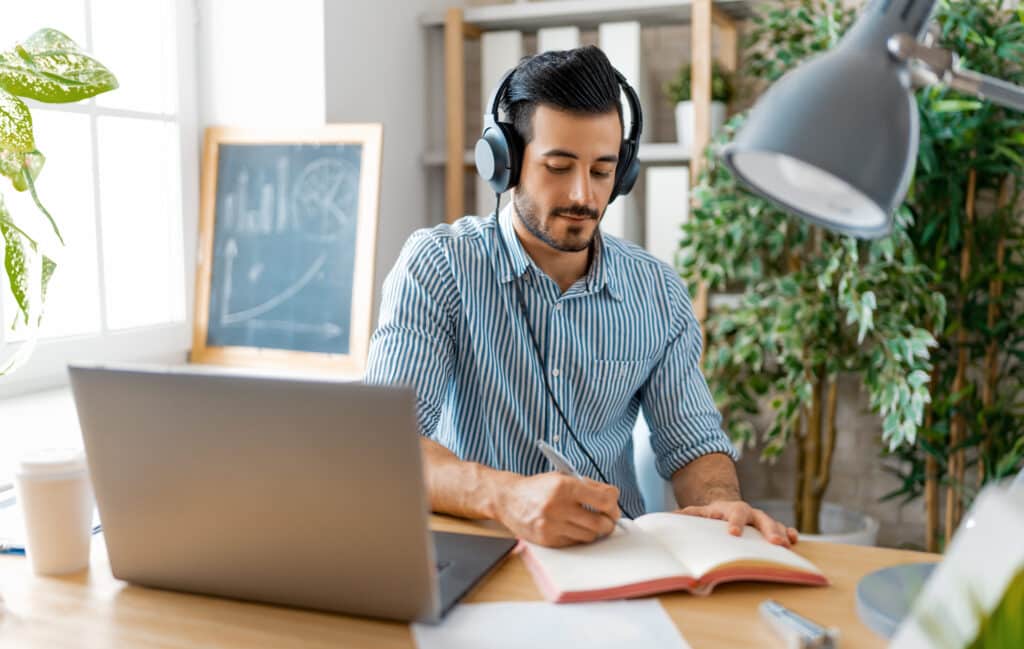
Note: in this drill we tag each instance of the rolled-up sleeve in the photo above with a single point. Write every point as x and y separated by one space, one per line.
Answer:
684 422
414 343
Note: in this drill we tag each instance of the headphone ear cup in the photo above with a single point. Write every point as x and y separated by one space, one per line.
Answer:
498 155
628 171
514 146
492 158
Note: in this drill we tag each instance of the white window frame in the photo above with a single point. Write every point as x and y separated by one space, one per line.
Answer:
167 343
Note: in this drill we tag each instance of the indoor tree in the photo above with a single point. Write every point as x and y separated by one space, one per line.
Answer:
966 197
813 304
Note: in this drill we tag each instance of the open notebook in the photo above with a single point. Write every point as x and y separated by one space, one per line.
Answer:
662 552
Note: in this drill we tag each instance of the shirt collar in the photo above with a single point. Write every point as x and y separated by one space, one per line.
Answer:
602 267
515 266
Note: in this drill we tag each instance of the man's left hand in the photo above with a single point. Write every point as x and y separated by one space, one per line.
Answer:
739 514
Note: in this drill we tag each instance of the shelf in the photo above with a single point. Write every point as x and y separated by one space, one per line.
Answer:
650 152
439 157
585 14
667 152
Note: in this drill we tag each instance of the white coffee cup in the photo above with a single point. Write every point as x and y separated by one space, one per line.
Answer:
56 500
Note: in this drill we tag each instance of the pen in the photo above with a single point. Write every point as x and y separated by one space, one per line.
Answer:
563 466
797 631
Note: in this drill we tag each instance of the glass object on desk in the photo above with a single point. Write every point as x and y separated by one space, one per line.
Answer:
975 596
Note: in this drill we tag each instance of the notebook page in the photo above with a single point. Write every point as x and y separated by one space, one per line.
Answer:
703 544
620 559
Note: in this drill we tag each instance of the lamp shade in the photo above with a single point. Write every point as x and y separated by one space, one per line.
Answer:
835 140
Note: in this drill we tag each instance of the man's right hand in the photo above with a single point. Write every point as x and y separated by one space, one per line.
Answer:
547 509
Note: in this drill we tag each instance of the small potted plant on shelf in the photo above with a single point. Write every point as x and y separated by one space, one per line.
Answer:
679 93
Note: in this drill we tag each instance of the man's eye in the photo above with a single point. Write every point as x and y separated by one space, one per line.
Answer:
557 170
601 174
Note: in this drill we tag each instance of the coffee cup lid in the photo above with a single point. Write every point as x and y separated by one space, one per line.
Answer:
51 461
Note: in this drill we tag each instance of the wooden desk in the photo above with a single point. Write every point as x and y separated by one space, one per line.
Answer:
92 609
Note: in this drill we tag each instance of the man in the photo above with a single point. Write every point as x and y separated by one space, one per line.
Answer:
475 313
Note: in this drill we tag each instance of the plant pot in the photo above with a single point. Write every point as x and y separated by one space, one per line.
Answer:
838 524
685 119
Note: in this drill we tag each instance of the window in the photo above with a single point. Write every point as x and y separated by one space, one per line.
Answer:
120 181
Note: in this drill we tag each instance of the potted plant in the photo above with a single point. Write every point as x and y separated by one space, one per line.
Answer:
967 189
47 67
679 92
814 305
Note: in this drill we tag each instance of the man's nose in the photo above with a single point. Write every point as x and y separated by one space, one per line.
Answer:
582 188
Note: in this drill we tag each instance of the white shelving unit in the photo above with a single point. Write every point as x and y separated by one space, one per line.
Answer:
445 67
585 14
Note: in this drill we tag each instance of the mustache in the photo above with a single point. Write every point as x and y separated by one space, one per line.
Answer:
576 210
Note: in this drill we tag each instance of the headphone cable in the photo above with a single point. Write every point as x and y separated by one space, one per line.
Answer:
544 365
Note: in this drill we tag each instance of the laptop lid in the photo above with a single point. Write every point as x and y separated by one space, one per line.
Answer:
296 491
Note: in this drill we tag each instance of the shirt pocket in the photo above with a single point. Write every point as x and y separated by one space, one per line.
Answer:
607 391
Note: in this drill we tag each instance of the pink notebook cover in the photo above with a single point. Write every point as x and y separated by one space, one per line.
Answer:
702 586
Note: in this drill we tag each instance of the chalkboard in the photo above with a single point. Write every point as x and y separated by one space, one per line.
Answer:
286 247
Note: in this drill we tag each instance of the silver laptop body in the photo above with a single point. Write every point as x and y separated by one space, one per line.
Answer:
294 491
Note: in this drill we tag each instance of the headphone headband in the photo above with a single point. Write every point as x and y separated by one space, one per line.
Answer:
636 122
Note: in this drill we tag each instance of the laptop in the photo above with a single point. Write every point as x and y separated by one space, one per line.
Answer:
302 492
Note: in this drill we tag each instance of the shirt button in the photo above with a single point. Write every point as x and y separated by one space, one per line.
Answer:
556 372
555 439
558 307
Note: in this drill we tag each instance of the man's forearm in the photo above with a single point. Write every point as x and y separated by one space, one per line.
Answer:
707 479
461 488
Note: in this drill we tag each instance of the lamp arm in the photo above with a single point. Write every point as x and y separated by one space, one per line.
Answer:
943 66
996 90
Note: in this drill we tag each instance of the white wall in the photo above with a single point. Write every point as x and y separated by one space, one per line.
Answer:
261 63
377 71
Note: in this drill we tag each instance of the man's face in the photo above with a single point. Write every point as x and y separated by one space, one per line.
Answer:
567 176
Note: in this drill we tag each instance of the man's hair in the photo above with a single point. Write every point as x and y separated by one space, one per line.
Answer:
581 80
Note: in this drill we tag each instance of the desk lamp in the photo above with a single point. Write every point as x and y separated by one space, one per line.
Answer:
834 140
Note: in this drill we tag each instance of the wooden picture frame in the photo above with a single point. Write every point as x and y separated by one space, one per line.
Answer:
287 245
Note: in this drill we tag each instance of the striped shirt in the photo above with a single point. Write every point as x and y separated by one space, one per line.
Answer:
622 337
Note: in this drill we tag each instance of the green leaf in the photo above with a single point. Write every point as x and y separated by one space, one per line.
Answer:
35 197
13 163
50 67
918 378
15 263
49 266
1011 154
955 105
15 124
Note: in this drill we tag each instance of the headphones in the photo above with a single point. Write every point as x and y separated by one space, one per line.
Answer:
499 151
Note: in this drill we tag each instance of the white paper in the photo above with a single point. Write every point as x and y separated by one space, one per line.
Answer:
539 625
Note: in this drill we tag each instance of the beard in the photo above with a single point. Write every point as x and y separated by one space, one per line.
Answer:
575 238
